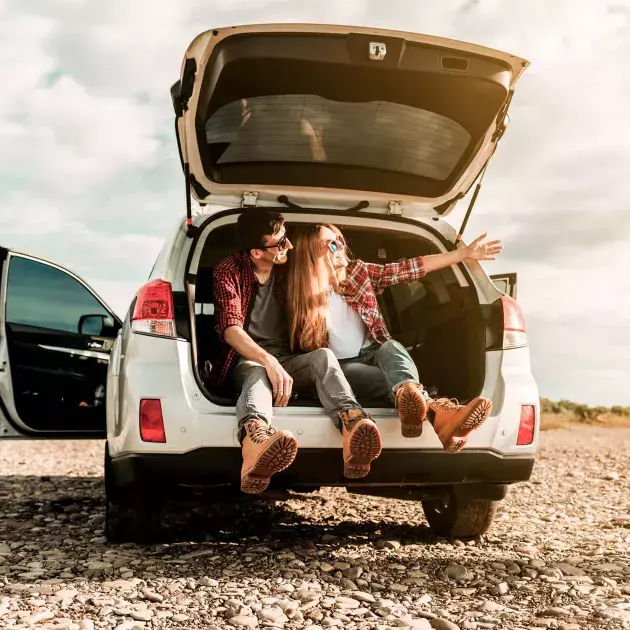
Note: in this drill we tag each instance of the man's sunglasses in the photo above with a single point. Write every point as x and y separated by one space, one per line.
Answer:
335 246
280 244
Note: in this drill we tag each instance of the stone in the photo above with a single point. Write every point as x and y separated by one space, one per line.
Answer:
388 544
152 596
243 620
568 569
352 573
273 615
458 573
556 612
141 615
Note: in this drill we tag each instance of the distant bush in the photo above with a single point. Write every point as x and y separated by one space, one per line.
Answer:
582 411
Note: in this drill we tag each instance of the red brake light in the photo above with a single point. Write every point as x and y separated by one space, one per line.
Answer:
514 331
151 420
153 313
527 426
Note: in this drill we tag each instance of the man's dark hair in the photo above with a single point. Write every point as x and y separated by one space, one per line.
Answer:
253 225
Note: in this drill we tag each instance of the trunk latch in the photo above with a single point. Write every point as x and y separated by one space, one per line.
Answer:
378 51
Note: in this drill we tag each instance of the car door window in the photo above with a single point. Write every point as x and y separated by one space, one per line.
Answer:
44 296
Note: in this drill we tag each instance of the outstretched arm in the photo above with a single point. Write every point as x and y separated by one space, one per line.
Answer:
479 249
382 276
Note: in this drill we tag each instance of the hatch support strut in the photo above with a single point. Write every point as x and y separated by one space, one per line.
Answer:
458 238
190 228
502 119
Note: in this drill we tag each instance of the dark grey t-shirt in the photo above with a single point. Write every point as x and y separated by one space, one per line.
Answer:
268 323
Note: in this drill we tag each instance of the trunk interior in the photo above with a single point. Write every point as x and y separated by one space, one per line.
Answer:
439 321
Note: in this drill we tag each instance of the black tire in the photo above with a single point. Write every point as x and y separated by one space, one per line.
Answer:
453 517
131 515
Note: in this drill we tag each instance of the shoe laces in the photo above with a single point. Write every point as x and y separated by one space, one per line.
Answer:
259 431
349 422
446 404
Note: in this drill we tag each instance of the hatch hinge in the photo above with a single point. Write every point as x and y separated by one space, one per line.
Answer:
395 208
249 199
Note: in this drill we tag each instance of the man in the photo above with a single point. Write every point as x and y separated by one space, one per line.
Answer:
250 302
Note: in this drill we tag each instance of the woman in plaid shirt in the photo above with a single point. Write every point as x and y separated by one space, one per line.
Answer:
333 303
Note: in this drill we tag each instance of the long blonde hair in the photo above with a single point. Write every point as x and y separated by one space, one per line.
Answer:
311 276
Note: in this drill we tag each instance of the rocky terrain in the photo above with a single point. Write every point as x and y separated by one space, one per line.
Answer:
558 555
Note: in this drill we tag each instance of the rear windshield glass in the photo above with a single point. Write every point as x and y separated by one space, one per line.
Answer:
299 128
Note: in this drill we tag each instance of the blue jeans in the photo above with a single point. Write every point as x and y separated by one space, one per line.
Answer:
317 371
379 370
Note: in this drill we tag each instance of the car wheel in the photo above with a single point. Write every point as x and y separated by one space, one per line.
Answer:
132 514
453 517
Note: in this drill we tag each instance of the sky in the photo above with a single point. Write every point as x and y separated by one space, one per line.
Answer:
90 175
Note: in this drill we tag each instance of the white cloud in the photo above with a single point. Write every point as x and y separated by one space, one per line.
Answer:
89 172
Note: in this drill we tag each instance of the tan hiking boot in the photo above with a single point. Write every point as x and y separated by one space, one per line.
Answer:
412 409
454 422
361 443
265 452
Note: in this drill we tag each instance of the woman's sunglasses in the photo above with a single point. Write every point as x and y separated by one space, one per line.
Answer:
335 246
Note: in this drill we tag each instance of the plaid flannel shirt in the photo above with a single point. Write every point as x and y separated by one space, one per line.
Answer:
364 281
235 286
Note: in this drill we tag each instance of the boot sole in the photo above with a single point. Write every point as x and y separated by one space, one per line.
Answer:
478 415
365 447
278 456
412 410
455 441
456 445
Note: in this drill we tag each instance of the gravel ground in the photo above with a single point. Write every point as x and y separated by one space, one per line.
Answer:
557 556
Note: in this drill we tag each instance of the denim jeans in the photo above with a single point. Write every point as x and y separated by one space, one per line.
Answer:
318 370
379 370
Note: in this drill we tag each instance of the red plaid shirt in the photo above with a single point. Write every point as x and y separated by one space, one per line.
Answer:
364 281
235 282
235 285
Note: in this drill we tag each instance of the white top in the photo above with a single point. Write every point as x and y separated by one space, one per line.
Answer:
347 334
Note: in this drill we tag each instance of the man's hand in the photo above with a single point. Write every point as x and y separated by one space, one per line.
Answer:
281 382
480 249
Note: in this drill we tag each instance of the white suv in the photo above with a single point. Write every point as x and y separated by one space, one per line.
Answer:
381 133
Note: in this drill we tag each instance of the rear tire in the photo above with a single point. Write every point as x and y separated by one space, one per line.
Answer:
453 517
131 514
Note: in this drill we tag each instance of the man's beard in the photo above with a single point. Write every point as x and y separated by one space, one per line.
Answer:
280 258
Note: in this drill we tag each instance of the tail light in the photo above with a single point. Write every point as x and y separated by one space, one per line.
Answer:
508 325
153 313
527 425
151 420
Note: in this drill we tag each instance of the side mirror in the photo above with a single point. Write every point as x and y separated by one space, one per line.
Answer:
95 325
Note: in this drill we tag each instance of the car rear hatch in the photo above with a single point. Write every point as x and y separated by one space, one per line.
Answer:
332 115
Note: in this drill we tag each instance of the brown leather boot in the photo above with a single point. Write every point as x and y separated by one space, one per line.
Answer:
412 409
265 452
454 422
361 443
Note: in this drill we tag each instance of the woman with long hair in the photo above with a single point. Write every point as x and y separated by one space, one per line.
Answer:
333 303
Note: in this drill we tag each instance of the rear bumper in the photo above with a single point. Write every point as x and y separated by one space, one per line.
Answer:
321 467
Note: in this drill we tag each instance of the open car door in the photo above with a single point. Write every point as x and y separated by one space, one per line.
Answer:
55 338
505 282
